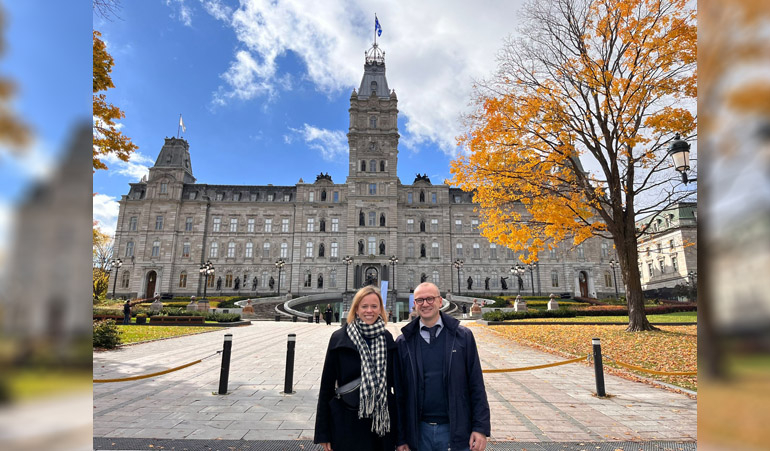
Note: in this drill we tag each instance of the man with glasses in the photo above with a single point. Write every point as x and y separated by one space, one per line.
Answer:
442 400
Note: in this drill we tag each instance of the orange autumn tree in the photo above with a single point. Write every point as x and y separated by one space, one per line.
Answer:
601 82
107 135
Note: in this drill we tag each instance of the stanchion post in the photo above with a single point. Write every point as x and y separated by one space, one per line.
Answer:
598 369
289 378
224 374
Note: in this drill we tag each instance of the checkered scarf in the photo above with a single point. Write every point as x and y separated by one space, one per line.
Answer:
374 394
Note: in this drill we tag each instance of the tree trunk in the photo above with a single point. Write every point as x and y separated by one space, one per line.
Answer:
628 256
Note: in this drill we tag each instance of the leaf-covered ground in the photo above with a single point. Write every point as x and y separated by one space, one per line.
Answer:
678 317
139 334
671 349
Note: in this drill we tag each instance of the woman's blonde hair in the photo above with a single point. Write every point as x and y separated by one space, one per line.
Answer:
362 293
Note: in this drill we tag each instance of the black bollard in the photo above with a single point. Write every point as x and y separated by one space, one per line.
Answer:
289 378
598 369
294 318
224 374
278 317
309 319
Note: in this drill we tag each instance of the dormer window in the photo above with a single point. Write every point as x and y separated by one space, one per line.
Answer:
373 122
220 196
168 158
164 188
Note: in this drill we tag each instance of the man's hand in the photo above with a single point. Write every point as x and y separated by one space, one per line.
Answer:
478 441
403 448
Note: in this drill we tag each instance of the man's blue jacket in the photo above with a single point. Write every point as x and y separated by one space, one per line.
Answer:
468 406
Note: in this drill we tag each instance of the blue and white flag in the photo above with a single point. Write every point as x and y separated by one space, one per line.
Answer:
377 26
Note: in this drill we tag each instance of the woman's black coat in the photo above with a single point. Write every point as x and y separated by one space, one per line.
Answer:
336 423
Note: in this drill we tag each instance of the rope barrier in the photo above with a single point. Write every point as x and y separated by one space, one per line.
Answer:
159 373
645 370
536 367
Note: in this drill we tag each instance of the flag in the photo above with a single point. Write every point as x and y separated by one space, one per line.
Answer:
181 124
377 26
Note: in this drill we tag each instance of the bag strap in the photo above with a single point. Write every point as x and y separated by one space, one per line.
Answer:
349 387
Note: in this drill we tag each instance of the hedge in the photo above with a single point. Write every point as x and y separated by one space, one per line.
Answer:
602 310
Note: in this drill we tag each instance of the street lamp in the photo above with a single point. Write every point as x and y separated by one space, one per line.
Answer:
615 264
393 260
206 270
458 264
679 150
532 267
115 264
348 260
279 264
517 271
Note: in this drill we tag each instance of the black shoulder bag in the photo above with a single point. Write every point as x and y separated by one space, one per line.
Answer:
350 394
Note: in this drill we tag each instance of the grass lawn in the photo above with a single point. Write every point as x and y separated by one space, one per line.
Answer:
139 334
672 349
28 384
677 317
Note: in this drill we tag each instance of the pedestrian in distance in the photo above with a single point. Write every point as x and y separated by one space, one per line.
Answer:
316 314
127 312
442 400
357 408
465 311
328 314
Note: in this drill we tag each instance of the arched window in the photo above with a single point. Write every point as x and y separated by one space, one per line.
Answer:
183 279
214 250
156 248
382 165
435 278
210 280
130 249
476 250
321 250
363 165
410 249
228 280
554 278
434 250
308 279
372 166
459 250
372 216
265 277
309 249
266 250
125 280
249 250
372 121
372 246
320 283
382 247
382 219
333 278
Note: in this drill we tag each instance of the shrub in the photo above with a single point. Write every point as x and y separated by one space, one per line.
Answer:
502 316
108 311
223 317
106 334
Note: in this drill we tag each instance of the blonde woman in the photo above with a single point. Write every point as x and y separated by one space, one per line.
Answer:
356 405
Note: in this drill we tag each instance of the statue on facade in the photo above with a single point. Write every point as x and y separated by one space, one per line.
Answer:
423 277
503 283
470 282
254 284
237 284
486 284
521 283
219 283
271 283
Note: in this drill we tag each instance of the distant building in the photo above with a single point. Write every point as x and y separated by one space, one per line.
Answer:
668 250
169 225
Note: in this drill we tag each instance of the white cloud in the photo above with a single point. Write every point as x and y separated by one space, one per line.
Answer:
433 54
184 13
217 9
330 143
105 213
135 168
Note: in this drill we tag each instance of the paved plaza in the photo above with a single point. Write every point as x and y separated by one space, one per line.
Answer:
529 409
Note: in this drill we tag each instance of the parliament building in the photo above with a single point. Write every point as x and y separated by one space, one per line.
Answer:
169 225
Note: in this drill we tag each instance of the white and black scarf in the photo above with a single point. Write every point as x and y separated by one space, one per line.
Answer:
374 393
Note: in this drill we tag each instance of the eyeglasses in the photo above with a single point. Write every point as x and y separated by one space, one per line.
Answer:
429 300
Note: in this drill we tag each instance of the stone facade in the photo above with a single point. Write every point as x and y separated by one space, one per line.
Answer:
668 250
169 225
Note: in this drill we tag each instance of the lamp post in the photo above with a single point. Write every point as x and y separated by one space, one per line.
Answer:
679 150
614 264
206 270
117 263
393 260
517 271
279 264
531 267
458 264
348 260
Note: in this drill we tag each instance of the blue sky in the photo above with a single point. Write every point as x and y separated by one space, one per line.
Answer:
264 86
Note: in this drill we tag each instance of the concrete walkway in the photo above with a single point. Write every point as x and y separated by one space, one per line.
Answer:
551 405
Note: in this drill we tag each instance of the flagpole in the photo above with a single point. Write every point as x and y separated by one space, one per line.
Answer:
375 29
